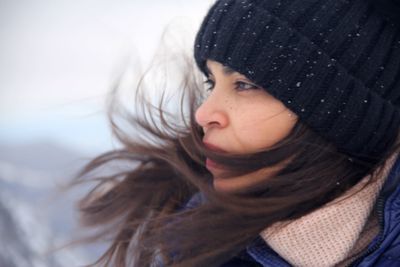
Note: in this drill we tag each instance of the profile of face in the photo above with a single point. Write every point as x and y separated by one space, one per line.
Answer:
240 117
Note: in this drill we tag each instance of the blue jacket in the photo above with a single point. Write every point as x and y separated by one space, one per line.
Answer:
384 250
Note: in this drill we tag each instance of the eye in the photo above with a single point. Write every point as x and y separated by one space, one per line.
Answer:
243 86
239 85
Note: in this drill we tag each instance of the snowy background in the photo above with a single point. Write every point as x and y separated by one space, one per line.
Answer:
58 59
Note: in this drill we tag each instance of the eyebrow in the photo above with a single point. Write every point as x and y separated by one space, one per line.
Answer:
225 69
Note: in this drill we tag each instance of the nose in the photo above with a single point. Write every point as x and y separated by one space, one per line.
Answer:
211 113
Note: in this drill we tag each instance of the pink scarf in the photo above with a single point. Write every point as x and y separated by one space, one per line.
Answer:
332 233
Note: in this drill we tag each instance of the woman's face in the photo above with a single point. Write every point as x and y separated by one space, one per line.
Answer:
240 117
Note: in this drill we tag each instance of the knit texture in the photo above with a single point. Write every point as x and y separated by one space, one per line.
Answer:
334 232
335 63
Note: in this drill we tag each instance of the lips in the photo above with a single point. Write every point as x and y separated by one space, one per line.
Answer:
210 164
213 147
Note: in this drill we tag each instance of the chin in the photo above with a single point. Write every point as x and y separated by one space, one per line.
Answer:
226 185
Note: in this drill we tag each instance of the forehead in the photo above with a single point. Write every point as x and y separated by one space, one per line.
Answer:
225 69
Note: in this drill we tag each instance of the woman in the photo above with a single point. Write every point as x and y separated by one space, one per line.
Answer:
291 160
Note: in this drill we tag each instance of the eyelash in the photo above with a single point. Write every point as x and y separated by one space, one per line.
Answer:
212 84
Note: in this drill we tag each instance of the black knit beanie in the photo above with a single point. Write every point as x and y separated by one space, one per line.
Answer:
335 63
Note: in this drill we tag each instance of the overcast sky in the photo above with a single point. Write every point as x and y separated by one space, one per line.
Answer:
58 57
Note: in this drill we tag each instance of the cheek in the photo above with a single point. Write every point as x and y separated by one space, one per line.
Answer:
264 128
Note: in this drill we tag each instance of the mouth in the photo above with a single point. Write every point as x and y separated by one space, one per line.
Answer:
211 165
214 147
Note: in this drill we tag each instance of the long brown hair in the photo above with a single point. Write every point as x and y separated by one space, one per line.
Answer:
140 207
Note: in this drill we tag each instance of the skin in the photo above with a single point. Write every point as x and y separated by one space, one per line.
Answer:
240 117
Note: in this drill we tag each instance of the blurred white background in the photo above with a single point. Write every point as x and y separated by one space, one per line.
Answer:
58 59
